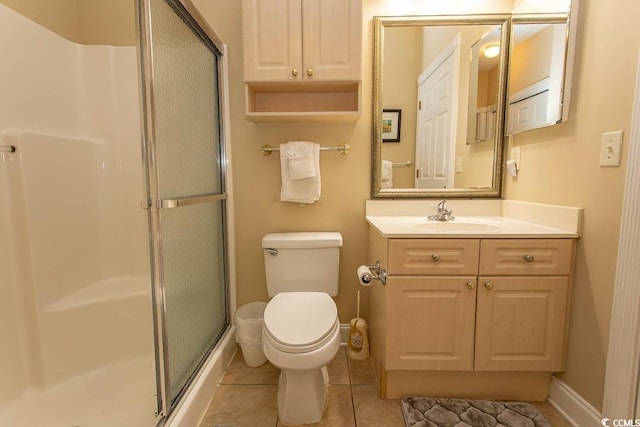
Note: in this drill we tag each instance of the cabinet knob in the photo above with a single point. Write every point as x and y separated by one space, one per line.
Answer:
310 72
435 257
471 285
294 72
529 258
488 286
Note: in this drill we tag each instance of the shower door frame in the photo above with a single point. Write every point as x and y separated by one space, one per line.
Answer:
192 17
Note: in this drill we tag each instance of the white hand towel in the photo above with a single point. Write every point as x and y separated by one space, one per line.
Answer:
304 190
386 174
300 160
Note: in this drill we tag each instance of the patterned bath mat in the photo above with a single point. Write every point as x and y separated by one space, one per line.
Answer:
428 412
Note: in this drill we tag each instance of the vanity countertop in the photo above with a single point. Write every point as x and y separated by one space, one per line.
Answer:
494 227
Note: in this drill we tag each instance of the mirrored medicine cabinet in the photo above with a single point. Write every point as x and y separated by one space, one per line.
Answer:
447 89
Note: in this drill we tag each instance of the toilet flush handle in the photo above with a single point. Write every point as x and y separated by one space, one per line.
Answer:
271 251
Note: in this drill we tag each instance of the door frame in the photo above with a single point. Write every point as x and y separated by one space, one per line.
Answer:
621 396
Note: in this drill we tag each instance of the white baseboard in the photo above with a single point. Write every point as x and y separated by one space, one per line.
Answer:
572 406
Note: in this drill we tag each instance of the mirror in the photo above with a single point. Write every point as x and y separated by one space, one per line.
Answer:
541 59
438 100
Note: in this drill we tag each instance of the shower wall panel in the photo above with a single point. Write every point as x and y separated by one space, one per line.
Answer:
74 263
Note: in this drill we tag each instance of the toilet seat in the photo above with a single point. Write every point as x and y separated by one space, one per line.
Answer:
300 322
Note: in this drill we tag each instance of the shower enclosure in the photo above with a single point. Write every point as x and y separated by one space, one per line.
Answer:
114 269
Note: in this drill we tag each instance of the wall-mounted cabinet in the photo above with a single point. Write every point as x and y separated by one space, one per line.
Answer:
302 59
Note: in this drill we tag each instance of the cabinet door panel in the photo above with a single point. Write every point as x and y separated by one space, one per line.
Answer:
272 40
433 256
430 323
521 323
526 256
332 39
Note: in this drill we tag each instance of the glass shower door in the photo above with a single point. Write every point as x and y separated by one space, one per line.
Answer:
186 192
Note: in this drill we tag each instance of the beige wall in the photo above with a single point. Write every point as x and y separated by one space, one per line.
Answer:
402 66
58 16
107 22
531 60
477 158
559 165
345 180
83 21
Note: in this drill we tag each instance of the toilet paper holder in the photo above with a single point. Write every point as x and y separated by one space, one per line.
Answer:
379 273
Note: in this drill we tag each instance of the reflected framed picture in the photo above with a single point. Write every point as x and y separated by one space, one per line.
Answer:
391 125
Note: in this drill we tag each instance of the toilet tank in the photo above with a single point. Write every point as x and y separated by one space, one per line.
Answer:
302 262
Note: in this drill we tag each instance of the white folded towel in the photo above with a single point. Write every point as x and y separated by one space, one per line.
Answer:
300 160
300 171
386 174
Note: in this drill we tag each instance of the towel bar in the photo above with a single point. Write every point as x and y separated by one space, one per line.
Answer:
343 149
7 148
407 164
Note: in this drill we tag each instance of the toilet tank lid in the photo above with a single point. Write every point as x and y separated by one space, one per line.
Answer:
302 240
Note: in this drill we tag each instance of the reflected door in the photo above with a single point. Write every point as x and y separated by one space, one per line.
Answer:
186 192
435 135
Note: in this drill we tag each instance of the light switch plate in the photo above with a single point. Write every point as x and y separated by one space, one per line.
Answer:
458 164
611 148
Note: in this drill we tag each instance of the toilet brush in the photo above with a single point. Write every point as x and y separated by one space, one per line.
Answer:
355 336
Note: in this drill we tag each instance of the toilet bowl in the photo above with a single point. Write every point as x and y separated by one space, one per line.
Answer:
301 335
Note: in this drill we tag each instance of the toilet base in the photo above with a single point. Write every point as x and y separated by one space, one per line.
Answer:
302 395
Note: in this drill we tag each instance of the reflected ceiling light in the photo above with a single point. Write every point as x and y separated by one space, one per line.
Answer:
492 50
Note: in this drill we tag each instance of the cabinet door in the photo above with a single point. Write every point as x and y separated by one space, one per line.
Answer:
272 40
521 323
332 39
430 323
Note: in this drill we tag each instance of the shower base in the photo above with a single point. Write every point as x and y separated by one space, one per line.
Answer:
119 395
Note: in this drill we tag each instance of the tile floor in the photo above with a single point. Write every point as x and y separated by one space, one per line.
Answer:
246 397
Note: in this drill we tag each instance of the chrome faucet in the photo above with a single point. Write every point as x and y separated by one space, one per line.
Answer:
443 213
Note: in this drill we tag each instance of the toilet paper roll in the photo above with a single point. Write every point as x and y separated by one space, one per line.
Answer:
364 275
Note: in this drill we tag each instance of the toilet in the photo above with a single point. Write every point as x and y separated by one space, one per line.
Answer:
301 331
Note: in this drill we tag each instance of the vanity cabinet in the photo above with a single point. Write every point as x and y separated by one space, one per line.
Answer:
486 313
302 59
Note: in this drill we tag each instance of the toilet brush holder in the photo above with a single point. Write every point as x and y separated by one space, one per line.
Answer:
358 344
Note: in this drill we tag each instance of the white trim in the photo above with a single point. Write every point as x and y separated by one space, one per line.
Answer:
572 406
621 381
529 91
455 97
226 127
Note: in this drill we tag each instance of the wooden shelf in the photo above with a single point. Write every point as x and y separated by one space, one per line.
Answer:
303 101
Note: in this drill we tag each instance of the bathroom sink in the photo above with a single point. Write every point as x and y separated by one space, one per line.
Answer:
457 225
